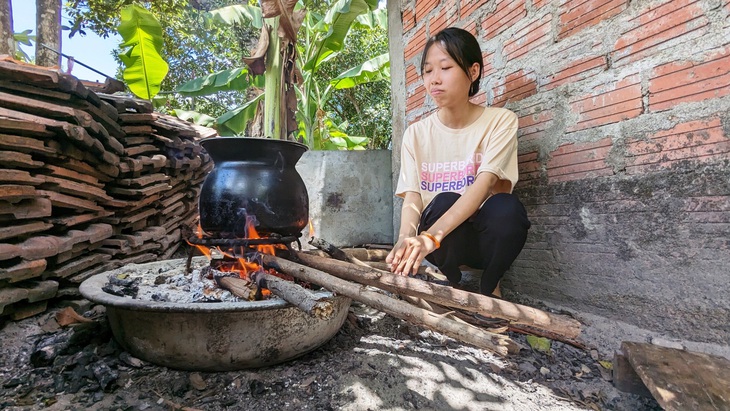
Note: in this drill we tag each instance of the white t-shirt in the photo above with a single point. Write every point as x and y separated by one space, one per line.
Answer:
437 159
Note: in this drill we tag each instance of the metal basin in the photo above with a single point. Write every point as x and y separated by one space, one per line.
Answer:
212 336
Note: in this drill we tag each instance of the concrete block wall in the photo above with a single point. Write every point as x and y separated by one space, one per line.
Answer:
624 148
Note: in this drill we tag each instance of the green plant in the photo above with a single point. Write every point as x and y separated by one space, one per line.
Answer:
24 38
322 39
145 67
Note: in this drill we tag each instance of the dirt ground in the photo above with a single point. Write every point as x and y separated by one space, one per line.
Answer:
375 362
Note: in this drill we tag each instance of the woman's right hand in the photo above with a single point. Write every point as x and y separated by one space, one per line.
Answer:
408 254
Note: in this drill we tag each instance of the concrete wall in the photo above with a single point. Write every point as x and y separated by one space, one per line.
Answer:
623 148
350 195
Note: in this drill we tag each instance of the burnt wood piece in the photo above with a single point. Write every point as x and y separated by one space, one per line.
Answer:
399 309
681 380
296 295
446 296
239 287
334 252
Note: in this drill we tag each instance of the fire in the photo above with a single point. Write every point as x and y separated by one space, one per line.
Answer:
311 229
237 262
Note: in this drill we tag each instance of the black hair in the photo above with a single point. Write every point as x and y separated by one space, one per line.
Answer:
461 46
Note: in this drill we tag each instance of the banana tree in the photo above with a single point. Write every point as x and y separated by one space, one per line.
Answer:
275 63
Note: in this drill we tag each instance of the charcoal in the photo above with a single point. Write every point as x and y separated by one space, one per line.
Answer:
49 347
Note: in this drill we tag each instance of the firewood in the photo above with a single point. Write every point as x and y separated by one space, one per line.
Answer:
238 286
399 309
334 252
296 295
446 296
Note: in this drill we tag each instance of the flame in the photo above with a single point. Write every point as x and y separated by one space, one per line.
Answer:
311 229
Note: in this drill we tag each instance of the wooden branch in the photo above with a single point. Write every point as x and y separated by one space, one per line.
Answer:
362 254
446 296
335 252
296 295
400 309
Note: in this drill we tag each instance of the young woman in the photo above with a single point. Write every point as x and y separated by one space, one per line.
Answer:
458 170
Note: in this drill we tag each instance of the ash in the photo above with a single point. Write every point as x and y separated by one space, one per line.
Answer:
170 284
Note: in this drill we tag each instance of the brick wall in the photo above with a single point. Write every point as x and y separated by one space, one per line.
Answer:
624 153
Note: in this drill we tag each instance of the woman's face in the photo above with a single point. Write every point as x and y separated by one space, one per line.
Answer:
445 81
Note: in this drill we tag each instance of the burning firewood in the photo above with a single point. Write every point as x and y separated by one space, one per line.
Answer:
463 332
238 286
446 296
298 296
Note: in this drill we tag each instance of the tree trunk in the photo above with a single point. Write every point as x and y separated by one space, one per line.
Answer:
7 42
48 23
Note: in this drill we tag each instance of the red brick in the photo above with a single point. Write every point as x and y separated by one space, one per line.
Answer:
537 4
698 141
682 82
437 24
415 45
608 104
529 167
506 15
488 68
577 71
576 15
466 7
528 38
412 76
532 126
423 7
517 86
416 98
656 28
480 98
579 161
409 19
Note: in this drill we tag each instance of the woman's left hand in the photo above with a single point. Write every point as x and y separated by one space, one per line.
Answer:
409 253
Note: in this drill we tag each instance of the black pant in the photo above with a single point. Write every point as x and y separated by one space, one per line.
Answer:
492 239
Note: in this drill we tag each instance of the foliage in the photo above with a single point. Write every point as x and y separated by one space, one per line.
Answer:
24 38
145 68
322 38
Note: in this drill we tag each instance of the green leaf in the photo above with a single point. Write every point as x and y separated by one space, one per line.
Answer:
373 19
24 37
142 35
339 20
539 343
225 80
195 117
375 69
236 14
234 122
606 364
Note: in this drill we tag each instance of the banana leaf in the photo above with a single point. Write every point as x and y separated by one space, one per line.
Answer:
237 79
142 35
234 122
200 119
337 22
375 69
236 14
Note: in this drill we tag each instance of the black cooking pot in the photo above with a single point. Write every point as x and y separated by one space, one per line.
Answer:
253 178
